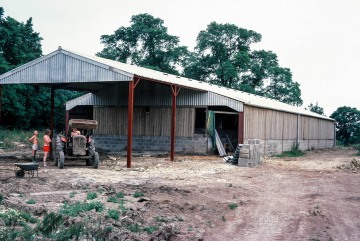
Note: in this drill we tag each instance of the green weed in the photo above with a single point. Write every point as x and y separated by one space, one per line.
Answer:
91 195
76 208
1 198
135 228
113 199
114 214
50 223
9 138
150 229
162 219
233 206
122 205
120 195
108 229
72 194
30 201
28 217
138 194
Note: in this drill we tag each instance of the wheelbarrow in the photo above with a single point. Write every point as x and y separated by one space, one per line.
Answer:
28 168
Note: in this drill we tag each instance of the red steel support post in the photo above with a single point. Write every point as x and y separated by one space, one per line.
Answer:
66 122
0 101
52 112
130 122
52 116
175 91
241 128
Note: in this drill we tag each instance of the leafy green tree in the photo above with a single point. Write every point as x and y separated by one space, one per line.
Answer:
347 124
223 56
316 108
19 43
26 106
146 43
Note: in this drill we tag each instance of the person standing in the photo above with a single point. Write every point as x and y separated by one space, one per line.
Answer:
47 142
34 145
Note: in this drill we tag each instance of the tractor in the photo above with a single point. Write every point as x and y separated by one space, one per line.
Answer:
78 146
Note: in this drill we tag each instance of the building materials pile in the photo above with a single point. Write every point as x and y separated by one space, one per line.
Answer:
246 155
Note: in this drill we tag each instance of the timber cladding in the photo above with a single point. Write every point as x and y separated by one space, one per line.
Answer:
268 124
148 121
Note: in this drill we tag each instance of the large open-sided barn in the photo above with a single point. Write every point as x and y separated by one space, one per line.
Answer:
168 112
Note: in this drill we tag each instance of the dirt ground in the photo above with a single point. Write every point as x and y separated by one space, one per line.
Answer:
314 197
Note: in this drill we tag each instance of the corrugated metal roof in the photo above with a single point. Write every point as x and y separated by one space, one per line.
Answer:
127 71
246 98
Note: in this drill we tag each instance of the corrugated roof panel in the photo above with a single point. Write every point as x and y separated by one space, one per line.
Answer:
96 69
246 98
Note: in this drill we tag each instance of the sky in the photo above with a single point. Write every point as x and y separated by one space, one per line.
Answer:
319 40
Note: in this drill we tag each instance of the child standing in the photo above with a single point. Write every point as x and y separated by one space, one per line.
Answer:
47 142
34 145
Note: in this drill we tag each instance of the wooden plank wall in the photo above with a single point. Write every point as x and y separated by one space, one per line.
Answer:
156 122
275 125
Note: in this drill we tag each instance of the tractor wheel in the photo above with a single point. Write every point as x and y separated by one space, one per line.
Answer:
96 160
59 146
20 173
61 160
89 161
55 157
92 148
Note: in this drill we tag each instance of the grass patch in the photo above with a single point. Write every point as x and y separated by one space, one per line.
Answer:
120 195
162 219
138 194
72 194
30 201
294 151
233 206
91 195
112 199
150 229
122 205
9 138
357 148
28 217
114 214
135 228
73 210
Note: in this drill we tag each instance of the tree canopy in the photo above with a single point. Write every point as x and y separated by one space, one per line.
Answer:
146 43
223 56
347 124
26 106
316 108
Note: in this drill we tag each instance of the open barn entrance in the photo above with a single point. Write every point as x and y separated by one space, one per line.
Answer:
226 125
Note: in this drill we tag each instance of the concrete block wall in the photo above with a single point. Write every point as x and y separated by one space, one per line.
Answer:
250 154
186 145
272 147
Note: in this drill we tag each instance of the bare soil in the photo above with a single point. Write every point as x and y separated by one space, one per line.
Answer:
314 197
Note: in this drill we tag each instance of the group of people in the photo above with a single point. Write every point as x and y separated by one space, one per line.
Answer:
34 147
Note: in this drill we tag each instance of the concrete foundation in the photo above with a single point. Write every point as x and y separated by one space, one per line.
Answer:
184 145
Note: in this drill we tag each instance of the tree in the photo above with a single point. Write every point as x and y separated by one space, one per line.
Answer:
145 43
24 106
316 109
19 43
223 56
347 124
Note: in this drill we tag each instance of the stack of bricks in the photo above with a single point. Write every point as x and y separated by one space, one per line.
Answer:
249 155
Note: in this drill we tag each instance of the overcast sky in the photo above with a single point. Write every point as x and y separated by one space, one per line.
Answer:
319 40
